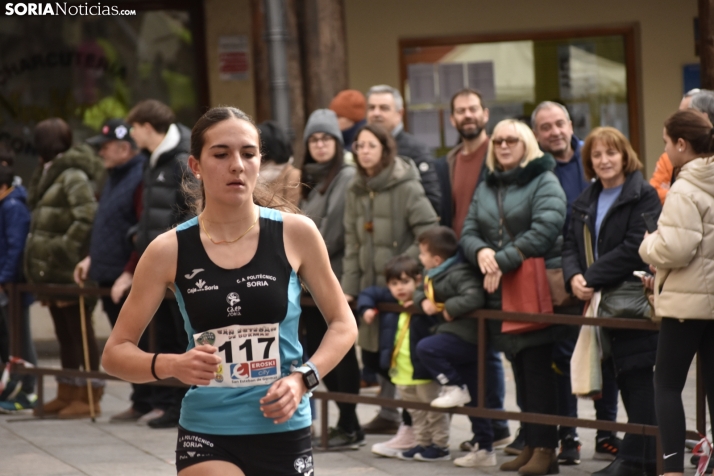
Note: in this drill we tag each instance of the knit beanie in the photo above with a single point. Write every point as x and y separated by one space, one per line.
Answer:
351 104
323 120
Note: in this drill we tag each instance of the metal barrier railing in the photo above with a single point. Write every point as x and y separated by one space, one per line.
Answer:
14 293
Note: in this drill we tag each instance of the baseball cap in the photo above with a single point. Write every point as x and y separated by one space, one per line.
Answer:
113 129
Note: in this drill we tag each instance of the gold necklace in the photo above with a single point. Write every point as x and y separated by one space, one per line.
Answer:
226 242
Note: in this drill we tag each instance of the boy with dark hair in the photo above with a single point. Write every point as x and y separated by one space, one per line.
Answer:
15 394
452 289
399 335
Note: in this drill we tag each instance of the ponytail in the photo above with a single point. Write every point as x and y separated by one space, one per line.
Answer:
692 128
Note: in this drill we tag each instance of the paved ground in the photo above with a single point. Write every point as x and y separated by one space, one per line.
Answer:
52 447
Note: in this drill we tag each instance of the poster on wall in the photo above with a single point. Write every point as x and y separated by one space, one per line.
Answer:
233 58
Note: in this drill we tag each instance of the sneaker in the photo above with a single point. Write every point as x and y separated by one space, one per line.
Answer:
381 426
469 445
452 396
338 440
516 445
409 454
23 401
569 450
607 448
433 453
153 414
10 390
169 419
501 437
402 441
127 416
477 459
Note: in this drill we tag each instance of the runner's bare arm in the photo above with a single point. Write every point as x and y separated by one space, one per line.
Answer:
122 358
307 254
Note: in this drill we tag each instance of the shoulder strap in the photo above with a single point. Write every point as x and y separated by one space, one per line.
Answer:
589 255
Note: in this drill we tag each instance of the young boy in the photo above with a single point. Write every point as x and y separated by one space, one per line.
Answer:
399 336
452 288
17 393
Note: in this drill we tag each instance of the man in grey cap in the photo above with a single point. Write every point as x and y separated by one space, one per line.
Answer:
112 257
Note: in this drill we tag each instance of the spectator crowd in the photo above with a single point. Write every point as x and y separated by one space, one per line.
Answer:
529 211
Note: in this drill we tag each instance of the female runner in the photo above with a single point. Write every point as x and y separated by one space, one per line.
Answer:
234 270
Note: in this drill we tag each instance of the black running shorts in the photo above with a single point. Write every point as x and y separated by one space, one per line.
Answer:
270 454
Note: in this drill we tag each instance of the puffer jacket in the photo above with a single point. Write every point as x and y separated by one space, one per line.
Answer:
383 216
63 203
534 207
459 286
682 249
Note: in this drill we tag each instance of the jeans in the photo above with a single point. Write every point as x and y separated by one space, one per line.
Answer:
495 387
454 361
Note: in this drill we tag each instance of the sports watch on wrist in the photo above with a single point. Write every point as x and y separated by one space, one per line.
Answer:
310 377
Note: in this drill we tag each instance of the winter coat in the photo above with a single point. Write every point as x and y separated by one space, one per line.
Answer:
572 178
460 288
682 249
383 216
420 326
110 248
164 204
14 226
63 204
409 146
327 210
617 245
534 208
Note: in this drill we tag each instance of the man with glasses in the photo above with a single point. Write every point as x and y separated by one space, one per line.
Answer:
385 107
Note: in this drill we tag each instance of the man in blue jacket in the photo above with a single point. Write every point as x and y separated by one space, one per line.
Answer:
554 131
15 394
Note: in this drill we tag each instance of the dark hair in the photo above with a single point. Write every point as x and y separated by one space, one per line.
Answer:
440 241
274 143
401 264
193 188
52 136
467 92
153 112
693 128
612 138
7 175
7 155
309 182
389 147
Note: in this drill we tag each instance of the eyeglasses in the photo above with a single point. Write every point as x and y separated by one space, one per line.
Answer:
510 141
324 139
357 146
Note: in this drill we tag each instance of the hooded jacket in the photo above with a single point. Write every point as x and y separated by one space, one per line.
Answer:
383 216
534 208
164 204
14 226
682 249
63 204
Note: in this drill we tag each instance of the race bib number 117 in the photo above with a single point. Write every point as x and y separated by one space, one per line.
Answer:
250 354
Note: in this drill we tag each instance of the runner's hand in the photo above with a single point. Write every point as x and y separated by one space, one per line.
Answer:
283 398
198 366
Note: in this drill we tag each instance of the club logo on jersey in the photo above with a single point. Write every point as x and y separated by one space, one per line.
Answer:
193 273
257 280
233 299
206 338
201 286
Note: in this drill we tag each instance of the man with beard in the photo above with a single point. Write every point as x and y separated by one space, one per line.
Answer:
466 160
554 131
465 164
385 108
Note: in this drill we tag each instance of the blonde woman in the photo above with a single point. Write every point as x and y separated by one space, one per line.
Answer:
517 213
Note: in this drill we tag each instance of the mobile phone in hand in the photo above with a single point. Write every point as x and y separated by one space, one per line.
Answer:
642 274
650 222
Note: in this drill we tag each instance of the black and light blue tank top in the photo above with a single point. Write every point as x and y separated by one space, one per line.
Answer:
265 292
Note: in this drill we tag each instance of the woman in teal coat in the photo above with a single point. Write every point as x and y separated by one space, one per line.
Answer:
533 212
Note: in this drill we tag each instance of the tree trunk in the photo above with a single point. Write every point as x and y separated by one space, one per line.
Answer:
706 42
